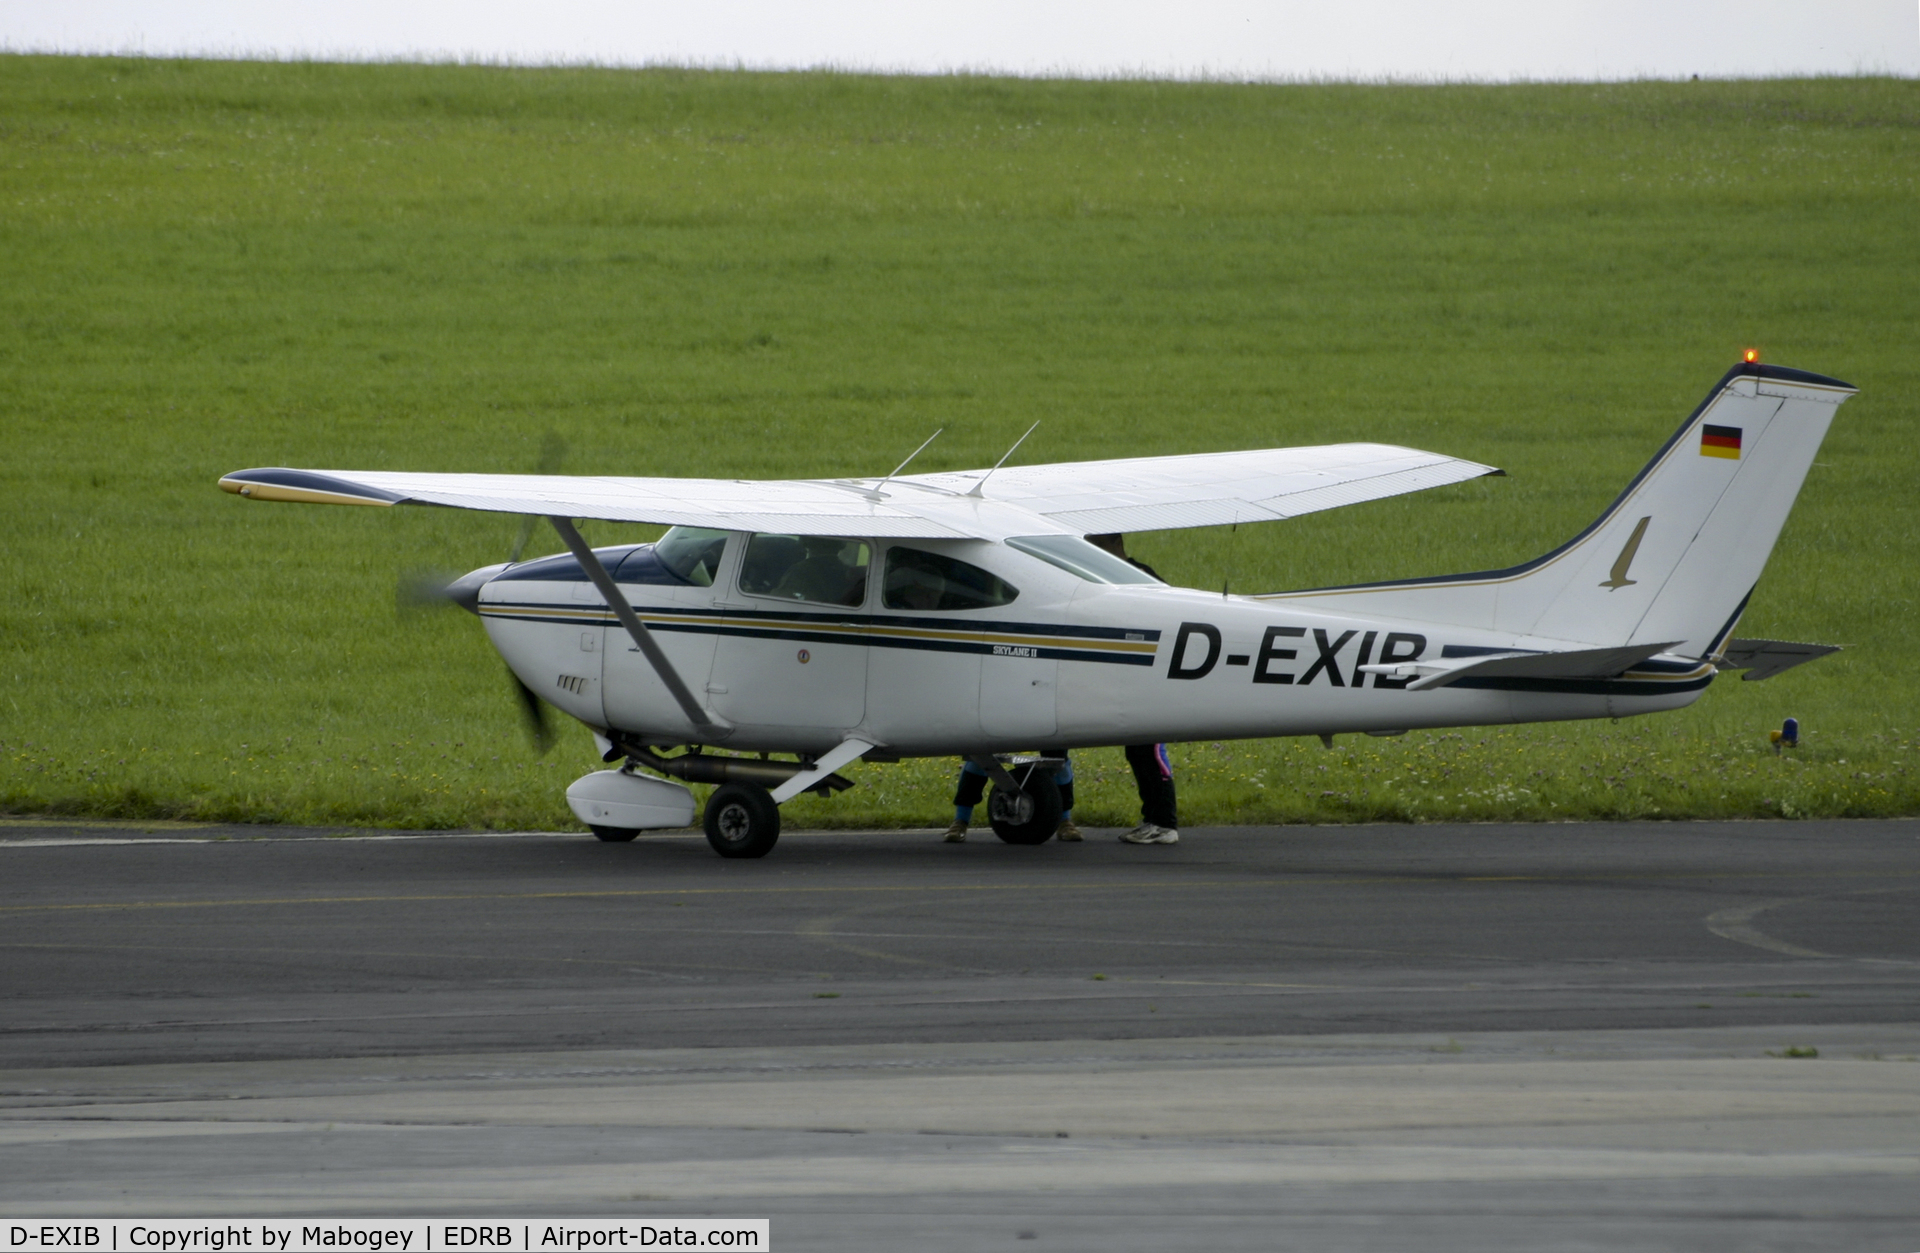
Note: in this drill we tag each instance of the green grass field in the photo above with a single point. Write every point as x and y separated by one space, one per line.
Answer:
210 266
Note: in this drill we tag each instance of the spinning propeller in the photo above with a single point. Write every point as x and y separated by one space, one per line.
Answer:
427 588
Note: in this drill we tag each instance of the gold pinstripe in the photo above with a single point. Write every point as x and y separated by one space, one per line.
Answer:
1642 676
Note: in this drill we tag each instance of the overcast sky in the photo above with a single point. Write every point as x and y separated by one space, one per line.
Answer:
1452 39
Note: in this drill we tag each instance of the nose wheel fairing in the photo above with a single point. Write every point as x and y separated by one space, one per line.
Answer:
620 801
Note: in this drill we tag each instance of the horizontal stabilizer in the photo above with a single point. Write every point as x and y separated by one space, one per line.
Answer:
1582 663
1762 659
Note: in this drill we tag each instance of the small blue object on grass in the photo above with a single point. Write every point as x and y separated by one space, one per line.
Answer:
1788 736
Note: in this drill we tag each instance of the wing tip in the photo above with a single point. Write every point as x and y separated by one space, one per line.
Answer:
304 487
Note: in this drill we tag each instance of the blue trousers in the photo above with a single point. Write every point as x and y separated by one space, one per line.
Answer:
973 785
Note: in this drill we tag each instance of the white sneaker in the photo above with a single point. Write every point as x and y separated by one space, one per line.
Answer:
1147 833
956 834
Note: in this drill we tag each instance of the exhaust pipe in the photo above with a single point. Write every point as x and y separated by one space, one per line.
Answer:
701 768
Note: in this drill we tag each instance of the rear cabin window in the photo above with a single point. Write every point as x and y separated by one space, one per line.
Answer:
1081 559
917 580
817 568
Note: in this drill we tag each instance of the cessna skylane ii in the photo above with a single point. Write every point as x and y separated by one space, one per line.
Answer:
966 614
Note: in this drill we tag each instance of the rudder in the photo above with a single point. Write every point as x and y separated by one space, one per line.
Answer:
1676 554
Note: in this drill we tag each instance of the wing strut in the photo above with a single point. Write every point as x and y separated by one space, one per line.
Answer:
649 647
814 773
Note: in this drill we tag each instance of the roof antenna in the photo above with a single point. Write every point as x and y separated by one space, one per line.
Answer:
979 487
873 493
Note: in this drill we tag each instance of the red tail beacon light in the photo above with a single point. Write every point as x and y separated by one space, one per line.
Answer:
1753 355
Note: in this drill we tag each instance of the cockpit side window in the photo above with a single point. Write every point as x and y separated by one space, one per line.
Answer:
928 581
822 569
1077 557
692 553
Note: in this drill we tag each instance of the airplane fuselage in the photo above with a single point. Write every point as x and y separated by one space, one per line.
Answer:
980 613
1066 663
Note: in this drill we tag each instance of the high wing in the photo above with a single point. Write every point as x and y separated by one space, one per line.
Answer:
1086 497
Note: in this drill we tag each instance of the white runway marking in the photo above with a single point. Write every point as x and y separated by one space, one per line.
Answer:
84 841
1733 924
81 841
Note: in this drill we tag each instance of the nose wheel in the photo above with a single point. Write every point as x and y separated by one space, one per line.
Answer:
742 820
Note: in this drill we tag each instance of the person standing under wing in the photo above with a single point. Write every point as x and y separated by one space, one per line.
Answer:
1153 779
1152 768
973 784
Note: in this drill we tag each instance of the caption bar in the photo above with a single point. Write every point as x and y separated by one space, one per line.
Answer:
414 1235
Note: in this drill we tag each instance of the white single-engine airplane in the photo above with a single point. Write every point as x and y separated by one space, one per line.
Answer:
965 614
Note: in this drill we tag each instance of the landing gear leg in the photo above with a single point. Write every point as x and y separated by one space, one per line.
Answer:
742 820
1031 814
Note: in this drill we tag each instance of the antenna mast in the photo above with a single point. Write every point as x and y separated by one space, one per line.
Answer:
979 487
874 492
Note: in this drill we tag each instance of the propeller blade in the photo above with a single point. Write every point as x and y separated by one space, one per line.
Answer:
424 588
434 589
534 711
553 451
520 542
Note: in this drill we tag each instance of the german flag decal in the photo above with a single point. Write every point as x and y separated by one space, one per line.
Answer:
1720 441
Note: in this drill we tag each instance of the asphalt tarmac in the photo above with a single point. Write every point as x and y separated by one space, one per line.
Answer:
1347 1037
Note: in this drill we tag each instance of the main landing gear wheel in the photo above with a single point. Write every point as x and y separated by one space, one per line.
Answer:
742 820
1031 815
614 835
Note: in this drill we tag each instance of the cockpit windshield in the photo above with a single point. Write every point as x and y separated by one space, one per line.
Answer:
692 553
1077 557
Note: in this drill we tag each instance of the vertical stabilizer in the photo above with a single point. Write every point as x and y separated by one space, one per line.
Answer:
1677 553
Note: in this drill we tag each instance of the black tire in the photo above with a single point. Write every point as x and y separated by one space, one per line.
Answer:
742 820
613 835
1031 815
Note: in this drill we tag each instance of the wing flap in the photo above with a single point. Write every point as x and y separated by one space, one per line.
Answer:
1162 517
1377 487
1211 489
